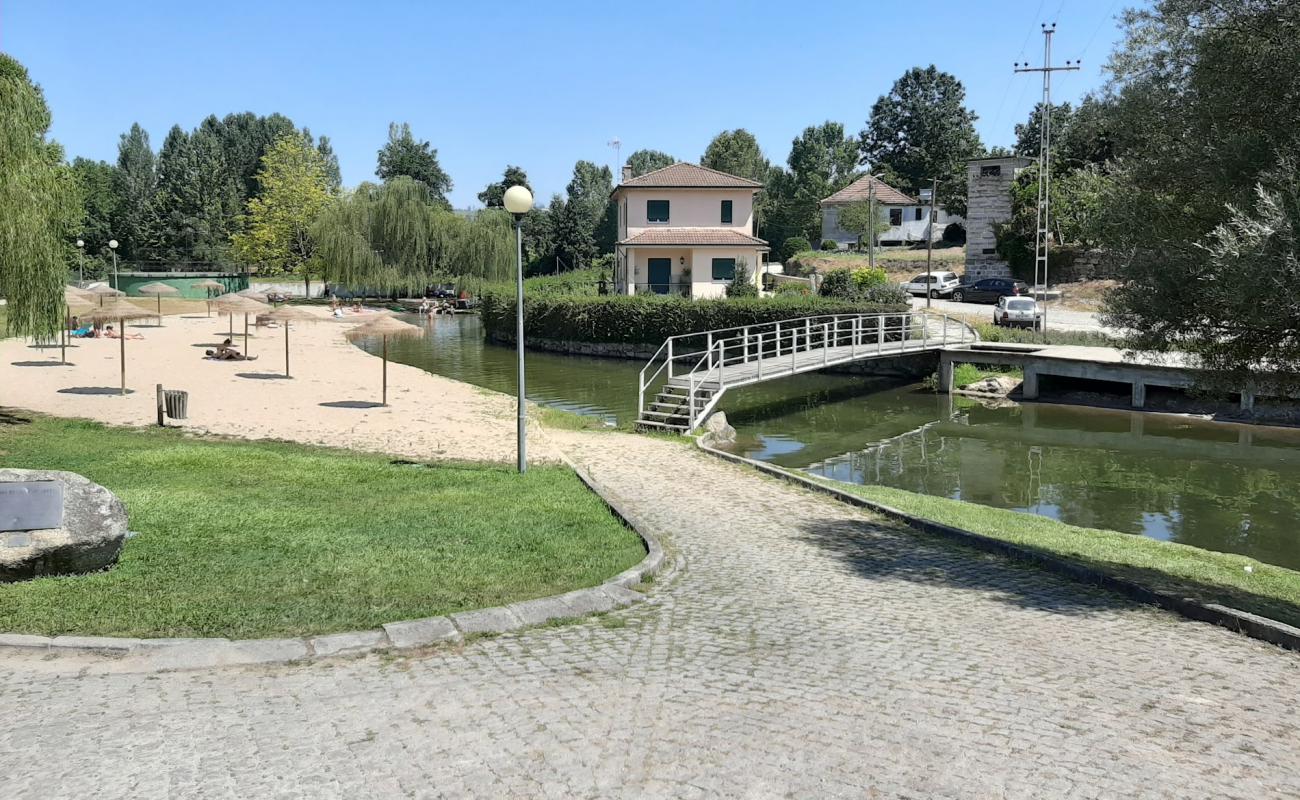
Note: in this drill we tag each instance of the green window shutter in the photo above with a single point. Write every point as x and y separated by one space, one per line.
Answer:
726 211
724 269
656 210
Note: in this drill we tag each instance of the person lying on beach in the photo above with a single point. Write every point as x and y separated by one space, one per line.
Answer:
84 332
109 333
225 352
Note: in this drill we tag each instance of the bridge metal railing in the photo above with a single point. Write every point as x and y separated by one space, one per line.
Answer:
728 357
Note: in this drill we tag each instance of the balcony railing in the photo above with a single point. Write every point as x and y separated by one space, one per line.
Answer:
669 289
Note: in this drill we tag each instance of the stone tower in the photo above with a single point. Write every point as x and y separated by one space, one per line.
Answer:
988 202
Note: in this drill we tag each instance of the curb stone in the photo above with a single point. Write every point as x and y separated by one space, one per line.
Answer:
1242 622
200 653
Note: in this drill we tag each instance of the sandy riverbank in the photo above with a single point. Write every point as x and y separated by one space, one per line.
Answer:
331 400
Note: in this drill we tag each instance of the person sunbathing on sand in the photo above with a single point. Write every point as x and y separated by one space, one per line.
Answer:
109 333
225 352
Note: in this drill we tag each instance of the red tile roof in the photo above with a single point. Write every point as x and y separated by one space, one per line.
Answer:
689 176
690 237
857 191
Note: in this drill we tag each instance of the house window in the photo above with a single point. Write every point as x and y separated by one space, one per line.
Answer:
726 212
991 171
656 210
724 269
895 216
918 214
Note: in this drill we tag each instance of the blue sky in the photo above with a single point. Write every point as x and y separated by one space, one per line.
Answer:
536 84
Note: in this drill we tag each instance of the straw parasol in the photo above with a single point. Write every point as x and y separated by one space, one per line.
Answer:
387 327
158 289
209 286
286 315
104 290
119 310
74 299
233 304
253 294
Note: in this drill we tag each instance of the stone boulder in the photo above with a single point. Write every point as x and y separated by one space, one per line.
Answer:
718 430
90 538
992 385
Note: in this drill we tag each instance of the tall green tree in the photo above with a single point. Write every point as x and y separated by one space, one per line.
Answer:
822 161
95 181
588 226
736 153
493 196
39 207
245 138
395 237
922 130
137 226
404 155
1201 172
643 161
294 185
326 151
197 199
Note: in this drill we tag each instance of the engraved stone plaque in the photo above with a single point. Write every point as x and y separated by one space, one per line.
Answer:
31 505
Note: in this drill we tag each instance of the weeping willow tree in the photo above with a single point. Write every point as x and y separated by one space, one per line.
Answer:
38 208
394 237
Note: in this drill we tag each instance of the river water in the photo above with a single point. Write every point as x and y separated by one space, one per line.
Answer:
1219 486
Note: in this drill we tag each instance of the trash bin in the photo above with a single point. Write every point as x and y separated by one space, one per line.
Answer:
177 402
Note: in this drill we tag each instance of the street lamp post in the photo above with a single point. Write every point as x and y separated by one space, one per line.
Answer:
112 247
81 260
519 201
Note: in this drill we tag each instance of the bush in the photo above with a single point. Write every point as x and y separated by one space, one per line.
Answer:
574 282
830 244
793 245
742 283
649 319
954 233
793 288
862 286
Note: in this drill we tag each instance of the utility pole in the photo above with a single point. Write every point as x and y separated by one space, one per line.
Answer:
929 243
871 231
1044 161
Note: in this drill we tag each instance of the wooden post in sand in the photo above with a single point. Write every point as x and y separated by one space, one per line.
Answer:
162 407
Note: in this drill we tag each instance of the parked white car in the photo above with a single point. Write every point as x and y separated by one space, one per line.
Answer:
936 284
1018 312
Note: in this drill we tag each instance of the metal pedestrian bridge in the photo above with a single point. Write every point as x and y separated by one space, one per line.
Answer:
683 382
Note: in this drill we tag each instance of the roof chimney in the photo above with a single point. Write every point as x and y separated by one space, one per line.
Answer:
627 173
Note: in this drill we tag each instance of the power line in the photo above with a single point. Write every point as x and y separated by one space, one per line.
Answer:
1044 157
997 117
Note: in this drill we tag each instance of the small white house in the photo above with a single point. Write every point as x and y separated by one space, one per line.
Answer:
683 230
905 215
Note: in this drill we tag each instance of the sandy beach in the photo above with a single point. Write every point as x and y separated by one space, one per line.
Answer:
332 398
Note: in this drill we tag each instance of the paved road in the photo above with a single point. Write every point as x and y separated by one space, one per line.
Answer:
804 650
1060 318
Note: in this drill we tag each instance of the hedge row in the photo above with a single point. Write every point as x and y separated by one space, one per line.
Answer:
649 319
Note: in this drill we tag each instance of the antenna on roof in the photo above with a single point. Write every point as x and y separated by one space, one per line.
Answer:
617 144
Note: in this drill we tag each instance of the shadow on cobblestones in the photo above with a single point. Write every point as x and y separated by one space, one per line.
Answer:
879 552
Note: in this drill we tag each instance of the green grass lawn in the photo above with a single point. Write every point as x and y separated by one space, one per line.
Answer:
249 539
1268 591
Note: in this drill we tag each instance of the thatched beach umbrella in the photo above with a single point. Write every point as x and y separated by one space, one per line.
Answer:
253 294
386 327
74 301
158 289
286 315
210 286
236 304
120 311
104 291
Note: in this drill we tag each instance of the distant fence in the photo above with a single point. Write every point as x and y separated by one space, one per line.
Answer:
131 283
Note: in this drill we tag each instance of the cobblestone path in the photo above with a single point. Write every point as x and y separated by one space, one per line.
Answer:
802 649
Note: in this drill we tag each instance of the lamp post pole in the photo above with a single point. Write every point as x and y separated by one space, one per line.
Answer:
112 248
518 201
81 261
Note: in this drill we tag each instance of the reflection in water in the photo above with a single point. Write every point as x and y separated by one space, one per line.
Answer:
1213 485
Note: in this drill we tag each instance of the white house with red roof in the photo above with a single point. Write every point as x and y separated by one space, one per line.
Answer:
685 230
905 215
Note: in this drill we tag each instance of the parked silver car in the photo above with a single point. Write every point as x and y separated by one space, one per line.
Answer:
1018 312
936 284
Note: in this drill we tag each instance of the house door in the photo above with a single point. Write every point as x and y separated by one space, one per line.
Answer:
661 274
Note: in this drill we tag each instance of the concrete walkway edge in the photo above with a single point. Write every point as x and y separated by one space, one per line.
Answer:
1243 622
200 653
